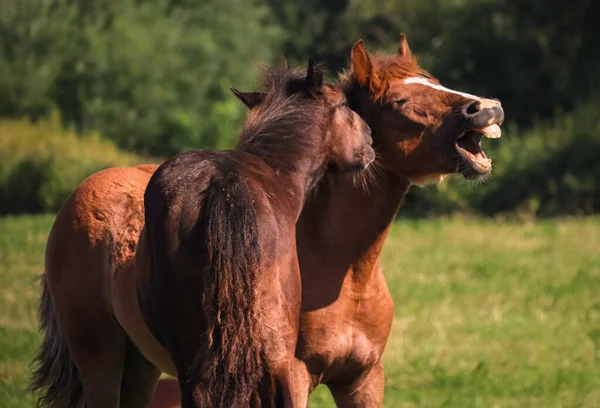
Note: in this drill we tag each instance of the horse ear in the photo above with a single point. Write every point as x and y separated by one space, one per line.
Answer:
361 64
283 62
250 99
403 49
314 76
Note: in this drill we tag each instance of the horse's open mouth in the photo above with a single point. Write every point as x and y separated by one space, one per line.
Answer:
469 149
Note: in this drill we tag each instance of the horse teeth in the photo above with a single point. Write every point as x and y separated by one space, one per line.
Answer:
491 132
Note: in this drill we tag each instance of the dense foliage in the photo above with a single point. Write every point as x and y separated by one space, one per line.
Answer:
153 76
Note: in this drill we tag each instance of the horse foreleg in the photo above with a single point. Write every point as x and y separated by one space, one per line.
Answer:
302 383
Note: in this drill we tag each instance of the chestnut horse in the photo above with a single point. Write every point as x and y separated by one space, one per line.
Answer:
421 131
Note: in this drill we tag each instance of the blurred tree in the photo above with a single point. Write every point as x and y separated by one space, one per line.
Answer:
535 55
32 34
152 75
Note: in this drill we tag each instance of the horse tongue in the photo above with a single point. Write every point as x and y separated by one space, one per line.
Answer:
492 131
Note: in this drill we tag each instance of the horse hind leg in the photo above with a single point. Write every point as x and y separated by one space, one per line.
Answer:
98 355
81 358
113 373
139 379
96 342
97 362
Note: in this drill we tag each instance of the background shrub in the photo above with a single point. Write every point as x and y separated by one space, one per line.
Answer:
41 164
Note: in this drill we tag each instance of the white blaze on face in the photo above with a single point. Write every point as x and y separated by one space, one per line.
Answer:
492 131
485 103
426 82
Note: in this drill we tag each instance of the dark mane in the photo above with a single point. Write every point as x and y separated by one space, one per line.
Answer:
387 67
279 129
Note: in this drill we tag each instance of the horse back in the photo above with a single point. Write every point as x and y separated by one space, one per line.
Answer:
177 191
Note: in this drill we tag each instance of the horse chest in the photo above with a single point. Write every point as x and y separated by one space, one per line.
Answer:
338 343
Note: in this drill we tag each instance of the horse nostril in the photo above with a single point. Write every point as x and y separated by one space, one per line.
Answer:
499 114
473 108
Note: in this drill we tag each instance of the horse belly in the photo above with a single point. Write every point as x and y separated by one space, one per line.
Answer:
128 314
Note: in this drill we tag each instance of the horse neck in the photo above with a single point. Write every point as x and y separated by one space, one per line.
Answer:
345 226
296 173
298 183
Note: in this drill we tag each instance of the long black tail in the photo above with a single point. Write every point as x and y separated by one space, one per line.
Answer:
55 380
234 367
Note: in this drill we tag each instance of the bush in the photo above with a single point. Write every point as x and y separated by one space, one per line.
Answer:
552 169
41 164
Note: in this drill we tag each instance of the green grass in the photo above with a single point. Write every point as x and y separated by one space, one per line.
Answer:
488 314
22 243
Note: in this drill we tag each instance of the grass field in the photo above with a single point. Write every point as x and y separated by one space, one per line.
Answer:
487 314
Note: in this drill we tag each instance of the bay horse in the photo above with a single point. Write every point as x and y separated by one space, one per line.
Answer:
420 133
217 276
